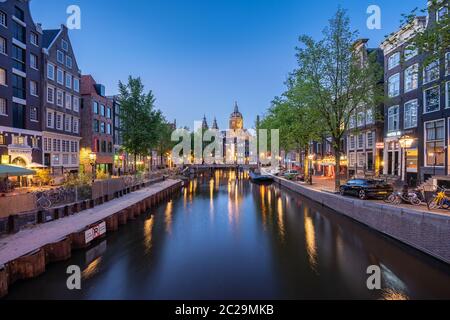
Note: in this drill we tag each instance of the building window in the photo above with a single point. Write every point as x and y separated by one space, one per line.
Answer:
3 19
50 119
3 107
50 95
19 32
19 13
59 121
435 143
95 107
74 159
34 89
360 119
394 85
33 61
76 84
447 94
108 128
19 86
102 127
108 113
68 124
431 99
447 63
18 56
65 45
411 78
96 126
3 45
33 114
68 101
102 110
59 98
352 159
60 57
110 147
104 146
361 141
410 53
352 122
75 125
393 119
34 39
431 72
76 104
2 76
55 159
411 108
60 76
441 13
68 62
370 139
2 140
50 71
369 116
65 159
394 60
19 140
68 80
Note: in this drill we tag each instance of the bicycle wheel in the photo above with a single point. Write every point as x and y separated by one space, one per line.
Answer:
433 203
416 201
390 198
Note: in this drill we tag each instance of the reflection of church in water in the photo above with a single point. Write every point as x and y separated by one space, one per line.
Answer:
236 139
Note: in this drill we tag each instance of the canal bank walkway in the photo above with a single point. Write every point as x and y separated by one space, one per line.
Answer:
326 184
29 240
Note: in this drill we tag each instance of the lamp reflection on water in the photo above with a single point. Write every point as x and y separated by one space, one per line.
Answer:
281 219
310 237
148 234
91 269
168 216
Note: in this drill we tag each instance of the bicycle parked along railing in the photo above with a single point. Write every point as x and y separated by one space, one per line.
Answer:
440 200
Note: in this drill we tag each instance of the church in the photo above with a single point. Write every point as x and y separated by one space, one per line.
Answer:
236 139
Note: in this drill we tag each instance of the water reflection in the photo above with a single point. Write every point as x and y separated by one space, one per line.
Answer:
148 234
225 238
310 237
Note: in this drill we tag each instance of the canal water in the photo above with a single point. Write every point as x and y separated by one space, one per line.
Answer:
226 238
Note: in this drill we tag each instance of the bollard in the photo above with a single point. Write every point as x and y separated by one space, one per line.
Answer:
78 240
13 223
27 267
123 217
58 251
3 281
112 223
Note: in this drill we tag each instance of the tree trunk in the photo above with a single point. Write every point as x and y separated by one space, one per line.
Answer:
337 174
135 163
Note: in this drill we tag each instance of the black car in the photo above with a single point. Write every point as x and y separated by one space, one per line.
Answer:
366 188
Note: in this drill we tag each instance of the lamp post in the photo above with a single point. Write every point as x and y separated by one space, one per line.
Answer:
405 142
310 158
93 163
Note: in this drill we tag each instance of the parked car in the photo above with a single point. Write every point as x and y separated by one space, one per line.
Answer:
291 174
366 188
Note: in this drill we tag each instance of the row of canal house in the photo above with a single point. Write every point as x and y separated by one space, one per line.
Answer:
417 110
50 114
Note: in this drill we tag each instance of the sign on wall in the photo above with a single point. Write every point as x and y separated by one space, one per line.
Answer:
95 232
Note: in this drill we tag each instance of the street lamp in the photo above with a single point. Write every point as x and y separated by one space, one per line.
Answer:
405 142
311 158
93 163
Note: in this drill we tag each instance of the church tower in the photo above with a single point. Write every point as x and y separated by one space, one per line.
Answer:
215 126
236 119
205 123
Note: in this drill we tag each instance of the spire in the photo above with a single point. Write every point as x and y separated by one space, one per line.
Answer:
205 123
215 126
236 107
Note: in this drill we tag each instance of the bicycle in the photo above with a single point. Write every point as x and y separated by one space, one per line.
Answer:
440 200
42 200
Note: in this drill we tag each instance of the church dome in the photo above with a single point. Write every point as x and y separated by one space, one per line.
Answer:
236 119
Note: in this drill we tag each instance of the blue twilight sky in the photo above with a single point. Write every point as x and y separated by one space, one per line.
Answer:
199 56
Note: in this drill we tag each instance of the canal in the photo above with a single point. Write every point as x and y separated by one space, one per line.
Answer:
223 237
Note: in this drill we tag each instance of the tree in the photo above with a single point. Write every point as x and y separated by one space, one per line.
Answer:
165 143
140 121
332 80
298 124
